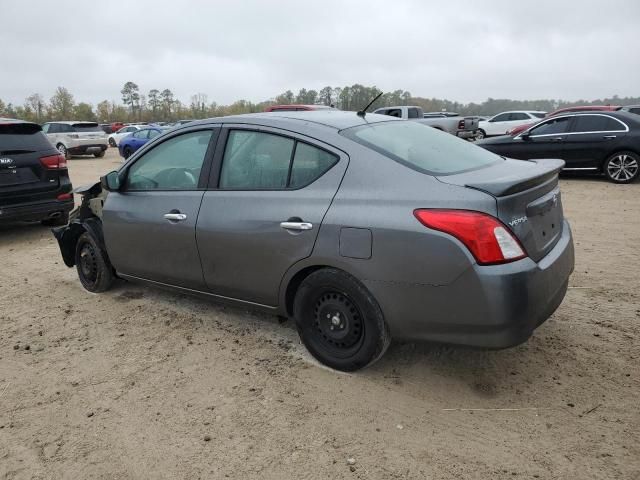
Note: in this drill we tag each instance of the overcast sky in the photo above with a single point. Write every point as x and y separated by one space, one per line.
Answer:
459 50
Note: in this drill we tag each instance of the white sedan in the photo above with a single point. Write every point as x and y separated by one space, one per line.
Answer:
505 121
114 138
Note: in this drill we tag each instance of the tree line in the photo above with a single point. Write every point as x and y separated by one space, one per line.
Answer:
162 105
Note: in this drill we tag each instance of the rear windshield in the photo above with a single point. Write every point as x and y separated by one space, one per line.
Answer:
22 136
421 147
86 127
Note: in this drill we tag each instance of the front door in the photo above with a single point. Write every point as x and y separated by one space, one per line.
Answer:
149 225
265 210
546 140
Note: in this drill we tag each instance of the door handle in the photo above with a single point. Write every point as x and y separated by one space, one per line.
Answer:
296 225
175 217
557 139
609 137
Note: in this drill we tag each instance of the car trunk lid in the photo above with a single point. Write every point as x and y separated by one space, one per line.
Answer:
527 199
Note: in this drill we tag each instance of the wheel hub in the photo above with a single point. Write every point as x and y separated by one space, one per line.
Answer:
88 264
337 320
623 167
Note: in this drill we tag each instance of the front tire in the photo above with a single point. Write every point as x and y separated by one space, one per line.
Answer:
112 143
339 321
99 155
481 134
622 167
94 270
126 153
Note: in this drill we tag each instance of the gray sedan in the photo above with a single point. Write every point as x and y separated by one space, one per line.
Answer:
361 228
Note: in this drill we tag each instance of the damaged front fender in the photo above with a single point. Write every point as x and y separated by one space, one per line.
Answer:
86 218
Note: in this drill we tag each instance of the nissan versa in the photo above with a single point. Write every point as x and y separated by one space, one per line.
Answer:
360 227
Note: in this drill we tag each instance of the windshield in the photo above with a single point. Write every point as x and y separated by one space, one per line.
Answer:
87 127
421 147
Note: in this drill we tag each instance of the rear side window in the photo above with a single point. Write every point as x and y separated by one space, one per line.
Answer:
421 147
635 110
413 113
309 163
264 161
552 127
518 116
538 114
596 123
22 137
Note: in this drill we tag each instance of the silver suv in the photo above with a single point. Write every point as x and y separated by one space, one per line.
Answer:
76 138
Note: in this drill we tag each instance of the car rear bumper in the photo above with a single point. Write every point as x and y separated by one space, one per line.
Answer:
494 306
87 149
35 211
466 133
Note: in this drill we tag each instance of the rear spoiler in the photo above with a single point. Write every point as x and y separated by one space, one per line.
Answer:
518 178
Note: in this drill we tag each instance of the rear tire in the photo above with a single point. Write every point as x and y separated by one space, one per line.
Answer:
63 151
56 222
94 270
622 167
339 321
99 155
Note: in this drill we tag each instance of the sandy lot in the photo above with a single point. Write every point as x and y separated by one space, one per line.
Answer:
142 383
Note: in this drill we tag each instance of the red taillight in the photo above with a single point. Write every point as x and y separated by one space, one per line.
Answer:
54 162
488 239
64 196
461 125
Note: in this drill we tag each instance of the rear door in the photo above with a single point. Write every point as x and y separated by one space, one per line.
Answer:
150 224
269 194
23 176
592 138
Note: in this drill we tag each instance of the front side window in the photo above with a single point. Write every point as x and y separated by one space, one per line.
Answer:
172 165
551 127
154 133
503 117
264 161
518 116
596 123
421 147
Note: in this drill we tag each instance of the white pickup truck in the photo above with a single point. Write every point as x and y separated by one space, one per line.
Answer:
463 127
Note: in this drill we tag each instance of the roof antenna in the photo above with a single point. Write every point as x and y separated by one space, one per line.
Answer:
363 112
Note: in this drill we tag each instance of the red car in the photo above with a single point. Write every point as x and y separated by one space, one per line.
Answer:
115 126
608 108
295 108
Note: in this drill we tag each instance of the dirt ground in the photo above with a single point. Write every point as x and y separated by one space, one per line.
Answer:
142 383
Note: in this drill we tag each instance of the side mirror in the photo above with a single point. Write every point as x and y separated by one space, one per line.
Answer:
110 182
526 136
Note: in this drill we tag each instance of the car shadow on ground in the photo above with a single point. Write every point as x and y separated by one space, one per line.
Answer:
419 366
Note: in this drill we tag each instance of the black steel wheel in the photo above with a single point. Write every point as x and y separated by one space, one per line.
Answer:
339 321
126 152
94 270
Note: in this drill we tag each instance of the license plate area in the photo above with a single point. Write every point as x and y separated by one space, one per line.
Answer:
545 216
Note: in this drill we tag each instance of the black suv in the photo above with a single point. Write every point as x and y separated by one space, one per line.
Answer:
34 180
